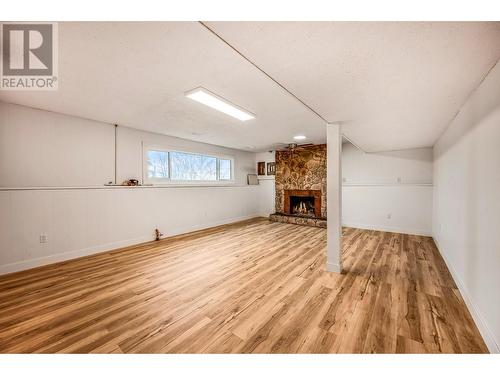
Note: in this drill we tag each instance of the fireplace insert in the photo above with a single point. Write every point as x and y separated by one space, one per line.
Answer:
303 203
302 206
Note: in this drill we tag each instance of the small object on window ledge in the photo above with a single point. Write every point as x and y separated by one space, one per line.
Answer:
131 182
158 234
252 179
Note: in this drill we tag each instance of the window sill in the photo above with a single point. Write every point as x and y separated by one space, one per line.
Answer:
190 184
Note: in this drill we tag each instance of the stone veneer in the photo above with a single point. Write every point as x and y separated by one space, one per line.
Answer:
300 220
301 170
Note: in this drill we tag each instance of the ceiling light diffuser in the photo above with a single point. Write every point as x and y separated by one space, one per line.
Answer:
299 137
214 101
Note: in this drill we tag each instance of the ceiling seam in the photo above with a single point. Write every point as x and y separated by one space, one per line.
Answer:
465 102
264 72
352 143
274 80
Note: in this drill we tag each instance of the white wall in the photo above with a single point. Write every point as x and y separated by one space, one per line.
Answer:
266 187
466 222
40 148
390 191
129 153
412 166
85 216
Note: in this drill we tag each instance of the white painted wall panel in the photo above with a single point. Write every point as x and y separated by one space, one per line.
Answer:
267 191
413 166
390 191
40 148
466 218
409 207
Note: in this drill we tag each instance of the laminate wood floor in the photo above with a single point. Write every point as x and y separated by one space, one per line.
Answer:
251 287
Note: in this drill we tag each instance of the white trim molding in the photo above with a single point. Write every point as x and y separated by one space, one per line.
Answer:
382 228
362 184
61 257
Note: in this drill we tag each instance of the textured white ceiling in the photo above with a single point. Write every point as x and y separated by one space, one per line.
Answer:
136 73
392 85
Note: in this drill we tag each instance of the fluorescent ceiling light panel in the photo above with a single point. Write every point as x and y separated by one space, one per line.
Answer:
208 98
299 137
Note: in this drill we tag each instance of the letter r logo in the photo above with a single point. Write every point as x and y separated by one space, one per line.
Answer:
27 49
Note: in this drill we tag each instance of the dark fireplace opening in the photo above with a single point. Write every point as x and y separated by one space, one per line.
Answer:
302 203
303 206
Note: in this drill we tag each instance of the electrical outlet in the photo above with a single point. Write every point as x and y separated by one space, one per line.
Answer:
389 216
44 238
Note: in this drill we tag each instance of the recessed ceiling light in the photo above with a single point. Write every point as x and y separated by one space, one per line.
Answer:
214 101
299 137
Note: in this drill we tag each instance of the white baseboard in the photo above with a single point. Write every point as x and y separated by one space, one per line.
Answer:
383 228
193 228
333 267
486 333
61 257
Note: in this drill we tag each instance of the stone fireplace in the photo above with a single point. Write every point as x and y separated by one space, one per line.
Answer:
300 186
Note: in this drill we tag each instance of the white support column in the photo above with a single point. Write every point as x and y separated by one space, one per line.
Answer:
334 198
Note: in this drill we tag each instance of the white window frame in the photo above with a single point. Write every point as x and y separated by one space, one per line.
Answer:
232 168
169 181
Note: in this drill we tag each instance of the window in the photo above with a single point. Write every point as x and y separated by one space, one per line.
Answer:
164 166
224 169
192 167
157 165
